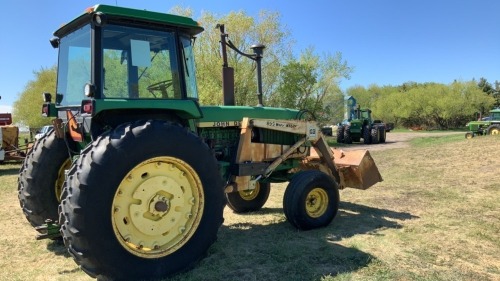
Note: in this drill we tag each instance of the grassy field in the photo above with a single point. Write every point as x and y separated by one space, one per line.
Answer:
436 216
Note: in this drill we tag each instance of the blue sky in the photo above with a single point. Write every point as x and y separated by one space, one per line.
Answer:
388 42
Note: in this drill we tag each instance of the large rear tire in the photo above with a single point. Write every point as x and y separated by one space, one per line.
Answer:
249 201
347 134
340 134
144 201
41 179
375 135
311 200
382 134
367 138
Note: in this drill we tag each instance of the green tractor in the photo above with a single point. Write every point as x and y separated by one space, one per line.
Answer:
489 125
358 124
135 174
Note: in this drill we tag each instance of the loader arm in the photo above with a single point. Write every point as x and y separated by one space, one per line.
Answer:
357 170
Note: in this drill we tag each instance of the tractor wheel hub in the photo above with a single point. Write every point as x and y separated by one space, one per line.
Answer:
159 205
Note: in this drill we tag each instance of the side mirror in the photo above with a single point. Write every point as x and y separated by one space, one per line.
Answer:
47 97
54 41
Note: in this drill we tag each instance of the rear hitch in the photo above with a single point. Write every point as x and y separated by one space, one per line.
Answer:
49 230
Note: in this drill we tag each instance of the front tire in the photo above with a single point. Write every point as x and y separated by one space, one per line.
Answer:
249 201
469 135
311 200
41 179
143 201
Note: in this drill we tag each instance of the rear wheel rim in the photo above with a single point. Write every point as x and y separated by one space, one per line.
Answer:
61 177
316 202
157 207
495 131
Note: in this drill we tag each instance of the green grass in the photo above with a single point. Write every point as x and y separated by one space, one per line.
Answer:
430 141
434 217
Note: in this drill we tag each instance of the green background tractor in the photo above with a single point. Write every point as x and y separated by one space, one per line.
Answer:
136 174
358 124
489 125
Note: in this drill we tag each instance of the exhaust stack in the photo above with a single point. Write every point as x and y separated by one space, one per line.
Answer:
227 72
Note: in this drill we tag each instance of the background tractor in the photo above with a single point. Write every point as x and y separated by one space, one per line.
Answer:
135 174
489 125
358 124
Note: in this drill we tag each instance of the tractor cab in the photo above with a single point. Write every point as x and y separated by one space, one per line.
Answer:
364 114
495 114
110 59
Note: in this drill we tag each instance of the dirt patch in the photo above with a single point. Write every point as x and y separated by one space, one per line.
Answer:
396 140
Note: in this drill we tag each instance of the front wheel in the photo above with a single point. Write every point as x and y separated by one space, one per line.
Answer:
140 204
249 200
469 135
311 200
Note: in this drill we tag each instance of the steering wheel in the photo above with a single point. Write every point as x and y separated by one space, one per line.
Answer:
161 86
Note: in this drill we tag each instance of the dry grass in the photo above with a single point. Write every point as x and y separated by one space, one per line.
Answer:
436 216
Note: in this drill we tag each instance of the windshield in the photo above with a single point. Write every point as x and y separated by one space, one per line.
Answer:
73 70
139 63
189 67
495 116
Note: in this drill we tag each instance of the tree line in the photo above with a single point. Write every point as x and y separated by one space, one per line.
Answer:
307 81
429 105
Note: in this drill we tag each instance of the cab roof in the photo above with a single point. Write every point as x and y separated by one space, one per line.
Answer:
140 16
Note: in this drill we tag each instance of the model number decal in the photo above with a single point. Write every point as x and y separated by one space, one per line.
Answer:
280 125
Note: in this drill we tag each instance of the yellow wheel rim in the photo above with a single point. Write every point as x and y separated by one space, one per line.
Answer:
249 195
316 202
495 131
61 177
468 136
157 207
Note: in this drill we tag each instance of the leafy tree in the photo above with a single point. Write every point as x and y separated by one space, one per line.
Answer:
364 96
295 89
485 86
27 108
426 105
490 90
496 94
311 83
244 31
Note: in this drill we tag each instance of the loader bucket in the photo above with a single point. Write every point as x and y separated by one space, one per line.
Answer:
356 168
